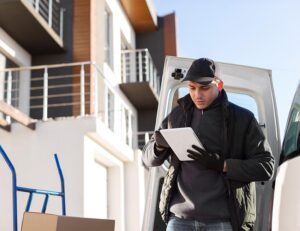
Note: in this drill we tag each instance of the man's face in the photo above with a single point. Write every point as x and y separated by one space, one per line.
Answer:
202 95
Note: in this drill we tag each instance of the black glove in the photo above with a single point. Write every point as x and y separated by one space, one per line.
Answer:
209 160
160 141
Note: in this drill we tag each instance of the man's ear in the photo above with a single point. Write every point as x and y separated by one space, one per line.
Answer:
220 84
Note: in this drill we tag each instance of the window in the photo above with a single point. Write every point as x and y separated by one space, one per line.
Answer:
291 143
9 80
127 127
14 80
126 60
108 56
110 110
126 121
244 101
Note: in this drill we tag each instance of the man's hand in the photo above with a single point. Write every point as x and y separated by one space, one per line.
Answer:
160 141
210 160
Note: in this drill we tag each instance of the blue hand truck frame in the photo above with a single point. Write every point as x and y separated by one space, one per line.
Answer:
31 191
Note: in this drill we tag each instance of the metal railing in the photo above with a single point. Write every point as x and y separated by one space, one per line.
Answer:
68 90
55 86
137 66
52 12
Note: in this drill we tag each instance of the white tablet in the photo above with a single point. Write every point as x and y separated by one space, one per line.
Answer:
180 140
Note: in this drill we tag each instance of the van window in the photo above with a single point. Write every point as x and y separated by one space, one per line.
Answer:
242 100
291 142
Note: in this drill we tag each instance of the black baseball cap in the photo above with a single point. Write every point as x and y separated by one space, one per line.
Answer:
201 71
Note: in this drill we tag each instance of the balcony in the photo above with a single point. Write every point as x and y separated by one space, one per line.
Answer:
141 14
140 82
43 18
63 91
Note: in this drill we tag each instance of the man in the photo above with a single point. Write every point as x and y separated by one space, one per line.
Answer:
215 191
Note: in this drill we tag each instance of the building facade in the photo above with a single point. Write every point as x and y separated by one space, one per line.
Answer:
80 79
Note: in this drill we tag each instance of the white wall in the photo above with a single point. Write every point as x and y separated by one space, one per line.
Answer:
95 183
135 192
111 77
103 199
31 152
103 176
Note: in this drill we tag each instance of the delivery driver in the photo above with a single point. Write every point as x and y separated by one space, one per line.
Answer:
215 191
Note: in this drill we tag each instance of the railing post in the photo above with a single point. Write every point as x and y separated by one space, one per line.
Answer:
8 93
95 91
123 61
147 65
61 23
151 72
82 91
37 5
146 137
155 80
130 135
132 76
45 96
50 8
140 66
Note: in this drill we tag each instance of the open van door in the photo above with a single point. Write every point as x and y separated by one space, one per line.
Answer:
286 207
245 85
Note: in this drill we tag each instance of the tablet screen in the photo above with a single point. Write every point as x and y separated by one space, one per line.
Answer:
180 140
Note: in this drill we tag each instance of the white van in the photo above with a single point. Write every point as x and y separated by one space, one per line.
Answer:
286 202
246 86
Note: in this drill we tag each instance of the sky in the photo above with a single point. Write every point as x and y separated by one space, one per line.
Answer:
258 33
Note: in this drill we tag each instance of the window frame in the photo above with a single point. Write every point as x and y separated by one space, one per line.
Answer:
108 37
110 109
286 152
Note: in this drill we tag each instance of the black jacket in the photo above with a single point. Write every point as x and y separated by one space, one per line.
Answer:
247 153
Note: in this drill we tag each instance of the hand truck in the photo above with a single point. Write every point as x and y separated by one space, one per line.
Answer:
31 191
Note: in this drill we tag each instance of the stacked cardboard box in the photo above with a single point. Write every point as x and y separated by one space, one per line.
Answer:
51 222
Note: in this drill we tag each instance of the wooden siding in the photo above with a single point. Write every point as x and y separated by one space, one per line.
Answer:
81 49
170 35
81 31
170 42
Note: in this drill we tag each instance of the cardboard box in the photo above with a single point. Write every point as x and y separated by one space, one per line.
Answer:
51 222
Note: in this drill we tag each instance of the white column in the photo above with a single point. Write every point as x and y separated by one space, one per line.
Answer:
45 96
82 91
